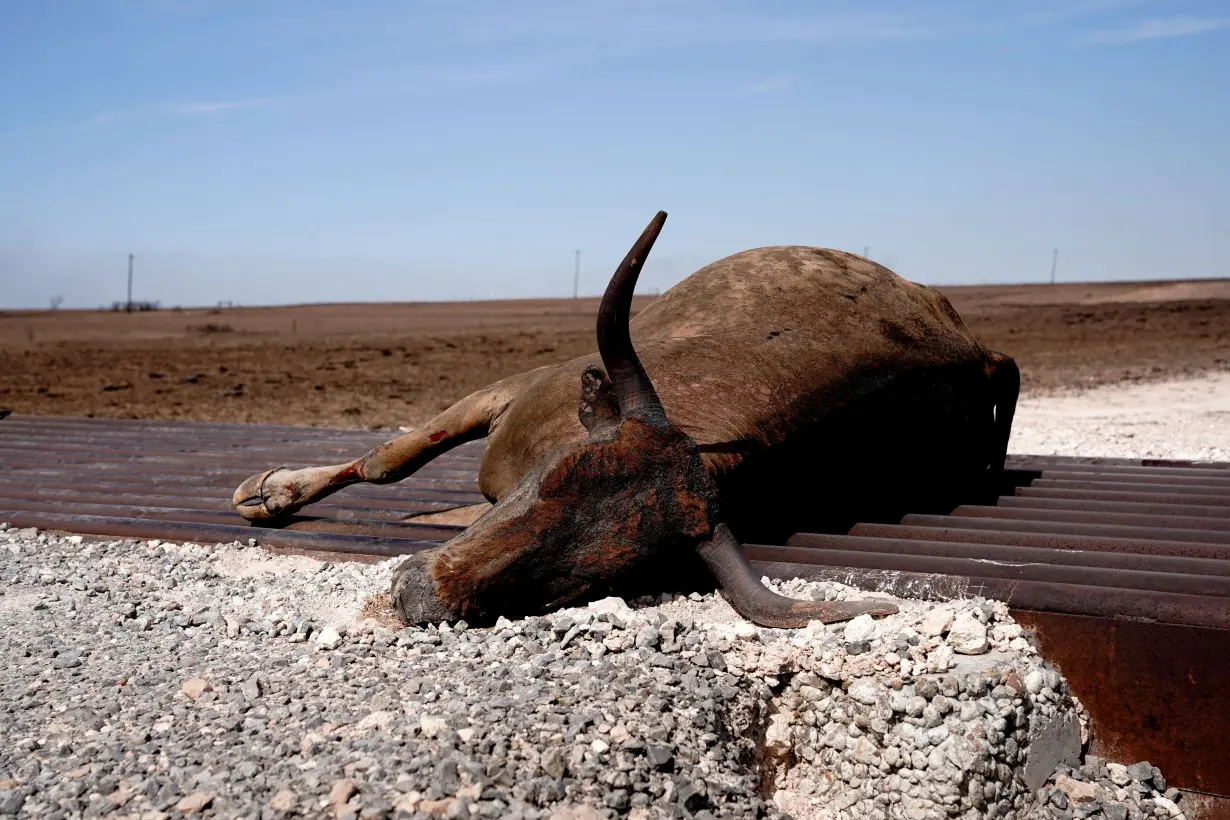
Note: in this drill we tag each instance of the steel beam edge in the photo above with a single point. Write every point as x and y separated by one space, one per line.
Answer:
199 533
1044 596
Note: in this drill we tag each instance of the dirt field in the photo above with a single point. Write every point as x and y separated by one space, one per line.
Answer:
398 364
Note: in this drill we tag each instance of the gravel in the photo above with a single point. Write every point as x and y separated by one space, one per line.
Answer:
157 680
1099 789
1181 419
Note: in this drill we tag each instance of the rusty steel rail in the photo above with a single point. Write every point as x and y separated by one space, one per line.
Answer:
1061 541
1069 527
174 481
1100 464
290 541
1120 566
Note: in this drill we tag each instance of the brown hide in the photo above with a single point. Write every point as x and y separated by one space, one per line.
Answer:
774 360
792 388
579 524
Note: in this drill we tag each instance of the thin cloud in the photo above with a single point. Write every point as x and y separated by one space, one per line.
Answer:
756 29
768 86
198 108
210 108
104 117
680 24
1160 29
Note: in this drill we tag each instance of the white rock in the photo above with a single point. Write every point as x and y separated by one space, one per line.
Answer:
866 752
936 622
777 735
1077 791
744 631
1035 680
432 725
195 687
1006 631
864 691
941 659
376 720
829 666
408 803
968 635
1023 646
613 604
1169 805
329 638
861 628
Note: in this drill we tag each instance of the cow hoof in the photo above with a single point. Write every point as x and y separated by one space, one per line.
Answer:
413 592
263 497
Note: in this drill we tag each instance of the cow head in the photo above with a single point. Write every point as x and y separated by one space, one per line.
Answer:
592 516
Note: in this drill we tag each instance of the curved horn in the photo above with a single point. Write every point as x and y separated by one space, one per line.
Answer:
760 605
629 381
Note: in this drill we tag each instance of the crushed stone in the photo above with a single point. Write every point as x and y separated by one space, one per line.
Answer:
146 679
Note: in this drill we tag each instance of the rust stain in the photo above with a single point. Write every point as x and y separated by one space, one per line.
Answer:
1163 715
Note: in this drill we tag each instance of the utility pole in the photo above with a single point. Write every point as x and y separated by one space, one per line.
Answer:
1054 262
576 277
129 305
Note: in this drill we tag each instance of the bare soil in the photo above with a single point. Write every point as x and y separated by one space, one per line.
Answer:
361 365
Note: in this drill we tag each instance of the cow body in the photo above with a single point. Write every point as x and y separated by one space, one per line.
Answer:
775 361
776 390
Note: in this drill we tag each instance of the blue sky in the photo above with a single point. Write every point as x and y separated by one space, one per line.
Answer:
269 151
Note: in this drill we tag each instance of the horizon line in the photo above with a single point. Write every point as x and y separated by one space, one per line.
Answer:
594 297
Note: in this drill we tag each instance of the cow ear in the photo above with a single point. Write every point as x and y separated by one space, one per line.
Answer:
598 410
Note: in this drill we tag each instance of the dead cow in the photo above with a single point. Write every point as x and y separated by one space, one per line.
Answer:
792 387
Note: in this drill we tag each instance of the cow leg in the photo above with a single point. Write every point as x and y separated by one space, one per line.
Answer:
1005 387
456 516
282 491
